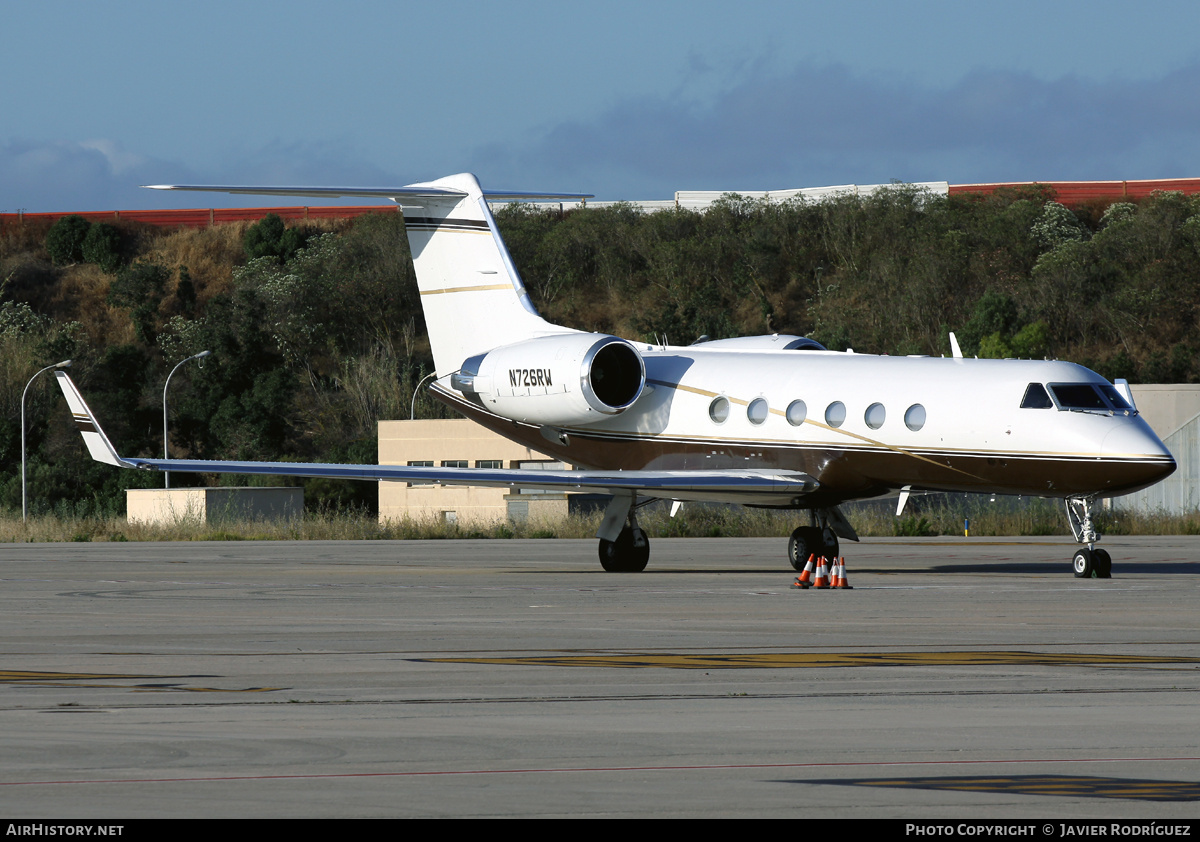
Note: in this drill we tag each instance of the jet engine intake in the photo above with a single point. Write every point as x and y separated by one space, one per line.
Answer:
574 378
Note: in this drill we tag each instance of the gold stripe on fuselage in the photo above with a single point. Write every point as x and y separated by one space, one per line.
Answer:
482 288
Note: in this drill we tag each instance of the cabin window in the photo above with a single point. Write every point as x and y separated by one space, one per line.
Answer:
914 417
757 411
796 413
835 414
1078 396
718 410
1036 397
875 416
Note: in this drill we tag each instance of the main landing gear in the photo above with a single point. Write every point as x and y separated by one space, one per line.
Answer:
812 540
627 550
1088 562
630 553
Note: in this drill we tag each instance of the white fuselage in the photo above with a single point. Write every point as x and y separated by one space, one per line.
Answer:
927 423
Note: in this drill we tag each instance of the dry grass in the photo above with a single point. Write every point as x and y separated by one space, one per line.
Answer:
210 255
1006 517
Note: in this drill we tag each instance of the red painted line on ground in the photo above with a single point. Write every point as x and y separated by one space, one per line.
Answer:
539 771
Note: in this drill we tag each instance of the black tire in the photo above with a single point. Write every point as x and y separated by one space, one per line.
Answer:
805 541
1084 563
610 558
1102 563
625 555
831 545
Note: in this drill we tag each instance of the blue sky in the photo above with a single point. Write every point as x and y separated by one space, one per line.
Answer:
627 100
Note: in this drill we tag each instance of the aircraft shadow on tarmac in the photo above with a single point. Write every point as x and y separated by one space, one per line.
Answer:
1085 786
1126 567
1121 568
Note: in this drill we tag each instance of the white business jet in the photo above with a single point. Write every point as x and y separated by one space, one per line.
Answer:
771 421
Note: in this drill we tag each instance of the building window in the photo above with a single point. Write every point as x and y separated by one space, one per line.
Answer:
455 463
420 464
540 465
489 463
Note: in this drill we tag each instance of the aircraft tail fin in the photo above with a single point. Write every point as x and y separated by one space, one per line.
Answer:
97 442
471 293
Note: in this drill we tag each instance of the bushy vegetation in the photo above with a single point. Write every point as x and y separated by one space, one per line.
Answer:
316 332
64 241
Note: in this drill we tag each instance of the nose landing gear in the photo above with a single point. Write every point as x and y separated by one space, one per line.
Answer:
1088 562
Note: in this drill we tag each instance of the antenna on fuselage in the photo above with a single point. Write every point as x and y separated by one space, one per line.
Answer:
955 351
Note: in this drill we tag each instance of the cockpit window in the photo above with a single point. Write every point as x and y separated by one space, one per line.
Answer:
1078 396
1036 398
1114 397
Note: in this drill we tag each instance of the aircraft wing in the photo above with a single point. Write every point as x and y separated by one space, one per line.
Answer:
724 485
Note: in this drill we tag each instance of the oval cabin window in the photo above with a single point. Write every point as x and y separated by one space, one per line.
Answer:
718 410
875 416
796 413
835 414
757 411
914 418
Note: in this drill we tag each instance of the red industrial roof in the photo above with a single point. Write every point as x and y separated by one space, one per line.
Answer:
203 217
1078 192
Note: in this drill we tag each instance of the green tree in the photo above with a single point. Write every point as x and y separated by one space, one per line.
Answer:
269 237
139 289
65 239
102 246
1057 225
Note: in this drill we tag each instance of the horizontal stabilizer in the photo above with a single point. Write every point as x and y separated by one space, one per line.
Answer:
408 191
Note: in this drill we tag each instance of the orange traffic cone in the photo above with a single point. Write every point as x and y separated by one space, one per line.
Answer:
839 575
822 574
804 580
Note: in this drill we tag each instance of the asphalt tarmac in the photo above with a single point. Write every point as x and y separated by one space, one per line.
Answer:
958 678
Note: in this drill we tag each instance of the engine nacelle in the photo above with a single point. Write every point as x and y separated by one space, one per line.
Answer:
574 378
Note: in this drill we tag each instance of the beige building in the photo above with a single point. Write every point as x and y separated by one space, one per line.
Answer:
460 443
212 505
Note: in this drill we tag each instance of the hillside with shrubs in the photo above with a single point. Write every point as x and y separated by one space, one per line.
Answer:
316 330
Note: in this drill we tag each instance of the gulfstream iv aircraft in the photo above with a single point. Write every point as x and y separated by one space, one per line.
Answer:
772 421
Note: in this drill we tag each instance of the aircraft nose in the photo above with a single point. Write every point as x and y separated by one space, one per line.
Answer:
1137 457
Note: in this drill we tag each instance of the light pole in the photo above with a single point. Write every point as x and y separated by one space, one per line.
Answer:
63 364
200 356
412 410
